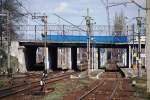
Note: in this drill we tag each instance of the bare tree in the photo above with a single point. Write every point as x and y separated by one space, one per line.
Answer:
10 15
118 30
15 15
119 23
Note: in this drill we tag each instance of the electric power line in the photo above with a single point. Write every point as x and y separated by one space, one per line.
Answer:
81 22
69 22
133 1
117 4
103 3
28 12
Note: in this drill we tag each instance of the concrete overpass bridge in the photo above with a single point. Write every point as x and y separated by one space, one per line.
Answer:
64 36
55 42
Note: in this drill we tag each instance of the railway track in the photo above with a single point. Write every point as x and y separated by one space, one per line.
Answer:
111 86
104 90
17 81
4 93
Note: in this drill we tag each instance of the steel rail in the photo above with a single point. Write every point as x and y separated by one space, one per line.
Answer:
89 92
36 84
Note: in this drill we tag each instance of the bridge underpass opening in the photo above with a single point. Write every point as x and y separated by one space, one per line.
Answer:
30 57
113 55
34 58
82 63
39 65
72 58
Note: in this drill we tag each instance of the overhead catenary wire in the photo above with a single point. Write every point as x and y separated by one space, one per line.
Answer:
144 8
20 4
27 12
81 22
102 1
129 2
106 5
117 4
69 22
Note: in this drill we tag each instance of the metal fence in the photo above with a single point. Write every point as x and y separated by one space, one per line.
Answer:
34 32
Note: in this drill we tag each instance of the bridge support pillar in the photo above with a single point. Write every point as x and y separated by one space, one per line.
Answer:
53 58
124 58
129 56
74 58
95 58
132 57
21 60
69 59
103 57
64 58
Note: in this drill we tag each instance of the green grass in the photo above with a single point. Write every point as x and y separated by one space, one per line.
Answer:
58 93
2 83
64 88
140 88
141 93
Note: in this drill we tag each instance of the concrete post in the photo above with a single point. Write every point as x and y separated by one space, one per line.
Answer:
59 58
63 58
148 46
102 58
132 56
124 58
21 60
47 59
69 59
105 57
92 60
95 59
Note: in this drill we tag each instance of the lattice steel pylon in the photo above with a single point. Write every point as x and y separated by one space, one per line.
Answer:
44 19
89 33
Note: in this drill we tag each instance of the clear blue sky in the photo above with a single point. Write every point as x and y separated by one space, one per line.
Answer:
73 10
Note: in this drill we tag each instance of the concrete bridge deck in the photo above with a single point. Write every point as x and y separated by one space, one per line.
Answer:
78 44
81 41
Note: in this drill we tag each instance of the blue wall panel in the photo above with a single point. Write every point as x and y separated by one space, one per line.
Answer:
84 38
